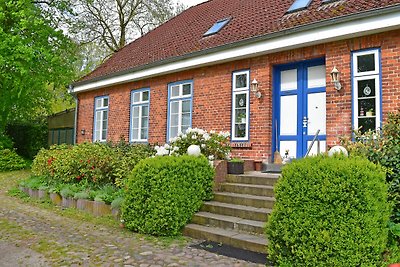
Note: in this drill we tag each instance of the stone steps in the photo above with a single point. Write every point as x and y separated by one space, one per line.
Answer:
238 213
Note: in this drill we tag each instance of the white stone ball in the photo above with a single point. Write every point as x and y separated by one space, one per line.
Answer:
338 150
194 150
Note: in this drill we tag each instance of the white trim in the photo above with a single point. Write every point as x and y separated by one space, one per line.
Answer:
310 37
240 91
363 53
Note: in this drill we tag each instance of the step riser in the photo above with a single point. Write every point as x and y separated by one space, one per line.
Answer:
251 180
227 225
257 203
244 214
225 240
267 192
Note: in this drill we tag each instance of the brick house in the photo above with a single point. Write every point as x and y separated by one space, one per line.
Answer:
260 69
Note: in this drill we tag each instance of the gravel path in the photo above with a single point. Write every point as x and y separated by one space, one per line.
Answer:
31 235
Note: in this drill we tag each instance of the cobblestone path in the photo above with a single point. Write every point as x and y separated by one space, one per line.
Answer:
34 235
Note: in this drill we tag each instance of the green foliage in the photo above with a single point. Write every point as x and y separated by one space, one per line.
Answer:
329 212
34 182
106 194
116 203
28 137
82 195
383 147
10 160
33 55
5 142
163 193
89 163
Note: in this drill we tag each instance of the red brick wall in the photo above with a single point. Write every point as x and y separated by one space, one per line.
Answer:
212 94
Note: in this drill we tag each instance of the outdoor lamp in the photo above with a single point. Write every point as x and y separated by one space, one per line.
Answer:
83 131
254 88
335 76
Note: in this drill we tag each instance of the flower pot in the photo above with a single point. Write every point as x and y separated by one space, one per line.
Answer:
68 202
42 194
235 167
85 205
369 113
100 208
55 198
33 193
394 265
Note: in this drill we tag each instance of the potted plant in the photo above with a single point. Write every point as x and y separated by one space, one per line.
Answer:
370 112
236 166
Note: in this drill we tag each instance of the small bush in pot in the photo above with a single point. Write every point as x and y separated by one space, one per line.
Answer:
329 212
236 166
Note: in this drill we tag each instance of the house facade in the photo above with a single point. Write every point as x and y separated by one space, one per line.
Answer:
262 70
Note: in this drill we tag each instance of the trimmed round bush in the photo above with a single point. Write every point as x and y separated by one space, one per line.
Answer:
329 212
10 160
163 193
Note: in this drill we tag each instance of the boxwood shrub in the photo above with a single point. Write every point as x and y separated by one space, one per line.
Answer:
163 193
329 212
10 160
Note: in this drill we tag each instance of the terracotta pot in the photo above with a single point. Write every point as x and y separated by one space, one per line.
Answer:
394 265
56 199
100 208
42 194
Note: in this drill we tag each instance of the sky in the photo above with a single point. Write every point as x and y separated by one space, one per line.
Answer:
191 2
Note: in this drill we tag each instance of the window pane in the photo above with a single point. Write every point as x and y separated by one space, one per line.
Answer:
240 130
366 63
143 133
184 128
135 135
186 119
104 135
240 115
98 103
174 107
241 81
135 123
366 124
145 110
187 89
174 120
174 90
366 88
144 121
240 100
105 102
135 112
186 106
173 132
136 97
145 95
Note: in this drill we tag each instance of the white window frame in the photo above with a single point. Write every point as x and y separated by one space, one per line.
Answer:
180 98
238 91
139 104
367 75
99 110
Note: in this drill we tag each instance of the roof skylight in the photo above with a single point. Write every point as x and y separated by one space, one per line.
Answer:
299 5
217 27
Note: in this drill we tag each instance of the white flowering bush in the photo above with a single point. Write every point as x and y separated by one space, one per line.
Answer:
212 144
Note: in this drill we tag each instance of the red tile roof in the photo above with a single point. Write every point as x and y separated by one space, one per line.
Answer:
183 34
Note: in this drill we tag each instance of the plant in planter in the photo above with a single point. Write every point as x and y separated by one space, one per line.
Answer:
68 200
370 112
236 166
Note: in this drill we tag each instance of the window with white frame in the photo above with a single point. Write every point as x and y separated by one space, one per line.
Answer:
179 108
240 106
140 115
366 90
100 118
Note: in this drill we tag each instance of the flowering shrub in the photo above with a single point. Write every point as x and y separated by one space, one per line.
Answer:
213 145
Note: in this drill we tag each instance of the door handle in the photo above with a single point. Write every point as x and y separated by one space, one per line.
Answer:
305 122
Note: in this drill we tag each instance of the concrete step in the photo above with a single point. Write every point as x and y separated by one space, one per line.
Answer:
228 222
254 178
244 212
246 200
249 189
256 243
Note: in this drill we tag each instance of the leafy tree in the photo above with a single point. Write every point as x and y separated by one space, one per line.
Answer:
33 58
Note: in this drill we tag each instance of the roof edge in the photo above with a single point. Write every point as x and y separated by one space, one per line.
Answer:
298 29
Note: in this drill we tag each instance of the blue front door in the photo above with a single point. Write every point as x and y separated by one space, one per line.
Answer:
299 107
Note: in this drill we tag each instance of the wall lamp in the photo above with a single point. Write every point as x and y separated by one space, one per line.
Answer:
83 131
254 88
335 76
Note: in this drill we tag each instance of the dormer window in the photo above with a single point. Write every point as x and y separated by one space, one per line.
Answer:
217 27
299 5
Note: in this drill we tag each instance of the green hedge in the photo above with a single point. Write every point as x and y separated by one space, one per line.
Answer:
329 212
163 193
89 163
11 161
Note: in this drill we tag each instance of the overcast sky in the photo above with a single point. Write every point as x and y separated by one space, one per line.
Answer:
190 2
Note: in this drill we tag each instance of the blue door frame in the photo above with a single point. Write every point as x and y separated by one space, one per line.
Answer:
302 103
